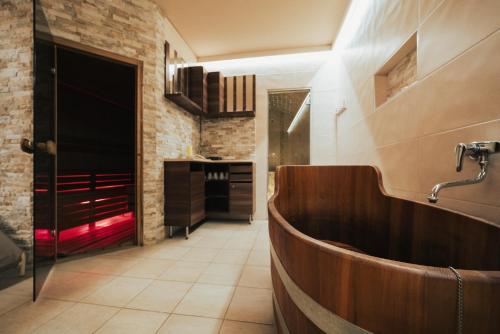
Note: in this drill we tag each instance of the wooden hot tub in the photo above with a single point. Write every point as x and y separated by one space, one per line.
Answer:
348 258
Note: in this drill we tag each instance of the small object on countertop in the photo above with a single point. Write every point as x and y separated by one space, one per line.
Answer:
214 158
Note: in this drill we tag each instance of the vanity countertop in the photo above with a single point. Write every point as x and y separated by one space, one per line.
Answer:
208 161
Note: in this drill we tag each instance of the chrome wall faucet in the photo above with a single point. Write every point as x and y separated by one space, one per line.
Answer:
478 151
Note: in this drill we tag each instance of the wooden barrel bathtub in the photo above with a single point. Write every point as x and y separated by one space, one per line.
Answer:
348 258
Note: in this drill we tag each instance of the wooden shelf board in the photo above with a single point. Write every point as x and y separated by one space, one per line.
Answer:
185 102
232 114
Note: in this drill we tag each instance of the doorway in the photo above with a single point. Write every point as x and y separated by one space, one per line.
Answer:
87 162
289 130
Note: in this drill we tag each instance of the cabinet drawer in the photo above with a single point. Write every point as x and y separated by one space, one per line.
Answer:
241 169
247 177
241 190
241 198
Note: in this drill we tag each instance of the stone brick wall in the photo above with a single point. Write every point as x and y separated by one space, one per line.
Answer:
230 138
16 118
403 74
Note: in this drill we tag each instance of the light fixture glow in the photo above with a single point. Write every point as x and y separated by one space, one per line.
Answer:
298 115
355 16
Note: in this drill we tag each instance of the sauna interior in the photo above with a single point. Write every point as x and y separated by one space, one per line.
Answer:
211 166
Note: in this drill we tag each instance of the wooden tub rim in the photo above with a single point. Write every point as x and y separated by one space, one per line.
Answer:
429 271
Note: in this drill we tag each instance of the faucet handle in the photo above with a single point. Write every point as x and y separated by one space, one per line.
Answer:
460 152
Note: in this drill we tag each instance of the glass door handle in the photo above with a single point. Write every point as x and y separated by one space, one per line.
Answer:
47 147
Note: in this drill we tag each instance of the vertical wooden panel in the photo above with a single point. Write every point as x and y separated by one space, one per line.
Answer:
250 92
225 94
239 93
234 93
229 94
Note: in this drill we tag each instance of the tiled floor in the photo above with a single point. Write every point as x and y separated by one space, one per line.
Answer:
218 281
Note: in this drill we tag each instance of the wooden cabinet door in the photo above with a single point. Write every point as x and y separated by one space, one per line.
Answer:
240 197
197 196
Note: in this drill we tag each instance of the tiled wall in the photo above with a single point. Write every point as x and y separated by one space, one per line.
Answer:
16 167
456 98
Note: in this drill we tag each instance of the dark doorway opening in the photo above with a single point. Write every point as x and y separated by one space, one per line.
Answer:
96 152
85 154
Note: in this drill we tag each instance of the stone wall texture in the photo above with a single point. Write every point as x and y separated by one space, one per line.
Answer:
229 138
16 118
403 74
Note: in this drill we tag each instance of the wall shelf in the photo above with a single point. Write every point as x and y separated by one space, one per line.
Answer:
232 114
185 102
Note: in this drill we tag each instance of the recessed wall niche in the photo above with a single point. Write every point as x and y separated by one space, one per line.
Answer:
398 73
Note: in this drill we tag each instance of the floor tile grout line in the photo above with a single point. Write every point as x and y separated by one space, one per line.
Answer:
55 316
230 301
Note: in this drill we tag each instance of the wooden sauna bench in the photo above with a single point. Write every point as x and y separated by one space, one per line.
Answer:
203 189
383 264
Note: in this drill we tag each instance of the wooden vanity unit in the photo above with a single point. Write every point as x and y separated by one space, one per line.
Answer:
198 189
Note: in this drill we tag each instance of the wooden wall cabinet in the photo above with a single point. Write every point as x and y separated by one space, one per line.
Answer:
202 93
231 96
195 190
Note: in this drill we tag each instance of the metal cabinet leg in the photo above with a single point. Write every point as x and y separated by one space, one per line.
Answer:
187 232
170 231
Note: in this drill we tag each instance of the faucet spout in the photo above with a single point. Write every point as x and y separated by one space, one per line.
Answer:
483 163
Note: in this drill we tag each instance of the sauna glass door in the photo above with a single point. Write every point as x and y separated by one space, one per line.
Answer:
44 150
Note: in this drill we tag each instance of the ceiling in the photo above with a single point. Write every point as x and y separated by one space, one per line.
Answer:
223 29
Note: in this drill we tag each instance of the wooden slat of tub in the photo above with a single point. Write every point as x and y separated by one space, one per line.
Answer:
296 321
379 295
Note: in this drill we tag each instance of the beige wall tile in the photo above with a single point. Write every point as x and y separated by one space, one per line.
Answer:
454 27
462 93
440 167
426 7
411 137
